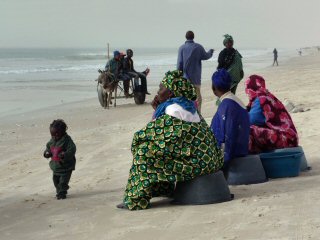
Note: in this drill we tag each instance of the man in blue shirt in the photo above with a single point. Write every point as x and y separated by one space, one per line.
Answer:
189 61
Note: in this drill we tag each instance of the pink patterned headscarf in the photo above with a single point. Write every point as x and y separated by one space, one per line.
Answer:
277 117
255 86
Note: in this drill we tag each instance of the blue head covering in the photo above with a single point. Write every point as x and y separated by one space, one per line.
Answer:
221 79
183 91
116 53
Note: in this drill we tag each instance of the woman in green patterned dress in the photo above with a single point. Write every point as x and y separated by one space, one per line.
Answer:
177 145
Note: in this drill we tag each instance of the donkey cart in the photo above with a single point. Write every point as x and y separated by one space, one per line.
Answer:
107 85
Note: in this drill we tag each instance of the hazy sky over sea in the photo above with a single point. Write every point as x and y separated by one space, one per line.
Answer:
158 23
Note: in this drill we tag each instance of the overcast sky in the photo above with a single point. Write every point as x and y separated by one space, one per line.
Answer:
158 23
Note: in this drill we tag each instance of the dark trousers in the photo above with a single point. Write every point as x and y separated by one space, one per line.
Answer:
275 60
61 182
126 82
142 78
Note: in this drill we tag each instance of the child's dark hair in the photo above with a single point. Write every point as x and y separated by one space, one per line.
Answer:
60 125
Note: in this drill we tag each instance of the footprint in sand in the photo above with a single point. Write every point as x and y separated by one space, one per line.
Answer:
261 211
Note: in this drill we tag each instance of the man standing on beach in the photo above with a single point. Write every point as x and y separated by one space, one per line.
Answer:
275 57
189 62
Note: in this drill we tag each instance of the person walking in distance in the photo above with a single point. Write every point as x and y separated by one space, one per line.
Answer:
275 57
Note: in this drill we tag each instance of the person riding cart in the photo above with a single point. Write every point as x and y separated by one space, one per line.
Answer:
115 72
128 69
115 66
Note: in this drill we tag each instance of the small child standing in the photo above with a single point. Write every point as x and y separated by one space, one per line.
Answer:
62 151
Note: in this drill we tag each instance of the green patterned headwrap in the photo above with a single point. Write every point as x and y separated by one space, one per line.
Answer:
227 38
179 86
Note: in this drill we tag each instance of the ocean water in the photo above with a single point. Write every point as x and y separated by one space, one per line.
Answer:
31 79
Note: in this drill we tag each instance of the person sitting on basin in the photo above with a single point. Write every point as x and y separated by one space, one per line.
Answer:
271 126
230 124
177 145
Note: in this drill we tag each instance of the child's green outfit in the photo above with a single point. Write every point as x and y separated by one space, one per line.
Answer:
62 167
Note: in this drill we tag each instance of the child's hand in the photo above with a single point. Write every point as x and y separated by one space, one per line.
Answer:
47 154
61 155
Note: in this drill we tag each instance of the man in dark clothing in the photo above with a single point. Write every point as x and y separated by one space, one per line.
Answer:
124 76
115 66
128 69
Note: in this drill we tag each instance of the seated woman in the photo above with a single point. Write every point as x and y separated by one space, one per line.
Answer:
271 125
177 145
230 124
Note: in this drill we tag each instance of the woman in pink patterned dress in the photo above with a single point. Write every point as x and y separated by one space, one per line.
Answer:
271 126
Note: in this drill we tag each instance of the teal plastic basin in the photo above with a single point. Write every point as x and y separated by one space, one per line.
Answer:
281 164
303 164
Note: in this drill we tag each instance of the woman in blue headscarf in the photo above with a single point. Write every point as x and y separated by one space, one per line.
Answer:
230 124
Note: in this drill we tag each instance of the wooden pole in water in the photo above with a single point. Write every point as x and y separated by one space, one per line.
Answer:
108 53
108 56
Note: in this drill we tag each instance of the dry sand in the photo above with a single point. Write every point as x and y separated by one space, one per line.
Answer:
279 209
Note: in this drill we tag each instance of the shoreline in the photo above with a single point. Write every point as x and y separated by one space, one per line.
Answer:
47 89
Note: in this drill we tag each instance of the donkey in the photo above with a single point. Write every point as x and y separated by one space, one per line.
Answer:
109 85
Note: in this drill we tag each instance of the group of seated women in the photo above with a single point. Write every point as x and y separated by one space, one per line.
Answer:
178 145
263 125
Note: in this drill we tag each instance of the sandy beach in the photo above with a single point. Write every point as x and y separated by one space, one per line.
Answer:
279 209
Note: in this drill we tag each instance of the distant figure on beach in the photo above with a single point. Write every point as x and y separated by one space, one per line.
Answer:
231 60
271 126
61 149
176 146
300 52
275 57
115 66
190 56
230 124
128 69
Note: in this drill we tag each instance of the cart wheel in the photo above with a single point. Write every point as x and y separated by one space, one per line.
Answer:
139 96
101 96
